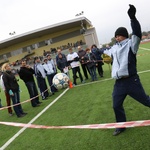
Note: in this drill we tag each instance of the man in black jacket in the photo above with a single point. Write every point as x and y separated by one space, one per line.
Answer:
26 74
81 53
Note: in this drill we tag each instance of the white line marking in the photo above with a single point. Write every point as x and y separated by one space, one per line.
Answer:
143 71
106 79
147 49
94 82
37 116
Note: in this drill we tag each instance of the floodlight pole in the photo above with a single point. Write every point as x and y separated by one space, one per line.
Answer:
82 30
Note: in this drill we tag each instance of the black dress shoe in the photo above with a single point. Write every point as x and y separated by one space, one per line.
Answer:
36 105
118 131
21 115
39 102
24 113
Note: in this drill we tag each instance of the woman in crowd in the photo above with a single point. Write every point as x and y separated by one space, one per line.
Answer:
12 87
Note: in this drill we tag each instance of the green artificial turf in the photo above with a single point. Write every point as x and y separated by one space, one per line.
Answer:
89 103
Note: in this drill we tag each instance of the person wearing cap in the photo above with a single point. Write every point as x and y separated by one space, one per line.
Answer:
40 76
124 71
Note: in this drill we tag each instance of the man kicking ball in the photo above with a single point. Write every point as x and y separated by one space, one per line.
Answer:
124 69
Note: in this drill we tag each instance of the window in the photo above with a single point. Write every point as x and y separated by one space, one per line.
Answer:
16 52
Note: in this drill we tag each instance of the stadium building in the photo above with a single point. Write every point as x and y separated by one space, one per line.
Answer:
61 35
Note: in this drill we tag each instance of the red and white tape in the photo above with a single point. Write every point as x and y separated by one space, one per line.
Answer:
92 126
2 108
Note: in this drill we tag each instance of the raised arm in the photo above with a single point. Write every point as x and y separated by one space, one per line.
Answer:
136 28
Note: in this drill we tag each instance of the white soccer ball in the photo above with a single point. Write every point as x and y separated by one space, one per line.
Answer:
60 81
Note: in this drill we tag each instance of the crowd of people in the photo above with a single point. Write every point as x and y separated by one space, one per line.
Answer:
88 59
123 54
42 73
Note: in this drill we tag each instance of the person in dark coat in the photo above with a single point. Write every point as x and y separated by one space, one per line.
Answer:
90 61
41 78
81 53
59 51
62 64
26 73
12 87
98 53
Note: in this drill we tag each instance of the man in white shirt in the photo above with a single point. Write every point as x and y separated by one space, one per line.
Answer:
73 60
50 69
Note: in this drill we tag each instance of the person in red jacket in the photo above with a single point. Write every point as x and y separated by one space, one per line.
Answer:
8 100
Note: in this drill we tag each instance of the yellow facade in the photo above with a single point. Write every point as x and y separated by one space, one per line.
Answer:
39 51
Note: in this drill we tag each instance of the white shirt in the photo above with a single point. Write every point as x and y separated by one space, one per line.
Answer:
53 64
71 57
40 68
49 68
2 83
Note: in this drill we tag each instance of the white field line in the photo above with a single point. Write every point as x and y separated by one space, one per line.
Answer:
36 117
23 129
143 71
147 49
94 82
106 79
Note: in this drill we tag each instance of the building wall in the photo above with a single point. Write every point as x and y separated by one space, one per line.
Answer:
91 37
19 50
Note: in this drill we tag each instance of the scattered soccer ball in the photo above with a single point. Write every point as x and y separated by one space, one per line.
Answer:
60 81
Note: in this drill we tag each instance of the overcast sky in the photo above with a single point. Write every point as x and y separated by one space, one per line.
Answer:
106 16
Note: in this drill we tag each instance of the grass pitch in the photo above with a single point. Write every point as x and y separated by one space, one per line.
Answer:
89 103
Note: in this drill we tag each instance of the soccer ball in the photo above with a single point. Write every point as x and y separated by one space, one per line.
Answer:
60 80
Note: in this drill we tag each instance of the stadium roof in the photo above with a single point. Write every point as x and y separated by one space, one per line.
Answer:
45 30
